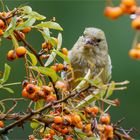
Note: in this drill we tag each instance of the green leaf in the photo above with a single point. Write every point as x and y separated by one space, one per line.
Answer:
110 89
53 54
33 58
50 25
25 9
84 83
66 59
11 27
27 23
34 124
46 71
39 104
55 137
37 16
6 74
15 42
80 133
88 100
8 89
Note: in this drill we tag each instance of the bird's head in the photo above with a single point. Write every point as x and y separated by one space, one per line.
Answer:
93 39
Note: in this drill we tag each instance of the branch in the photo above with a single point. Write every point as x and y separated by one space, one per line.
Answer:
32 113
38 57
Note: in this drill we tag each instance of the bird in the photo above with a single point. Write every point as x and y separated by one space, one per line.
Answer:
90 52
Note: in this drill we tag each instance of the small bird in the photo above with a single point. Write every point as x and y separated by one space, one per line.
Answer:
90 52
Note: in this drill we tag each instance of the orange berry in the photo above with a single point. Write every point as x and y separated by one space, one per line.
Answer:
136 23
95 110
24 93
11 55
128 10
65 131
58 120
21 51
2 24
47 90
76 118
26 30
134 53
1 32
46 45
65 51
1 124
87 127
50 98
79 125
60 67
25 83
52 132
54 68
105 119
69 138
68 119
30 88
128 3
113 12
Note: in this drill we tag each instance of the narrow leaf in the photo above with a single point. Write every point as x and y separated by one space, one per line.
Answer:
25 9
6 74
46 71
34 124
15 42
27 23
8 89
50 25
53 54
88 100
33 58
37 16
110 89
66 59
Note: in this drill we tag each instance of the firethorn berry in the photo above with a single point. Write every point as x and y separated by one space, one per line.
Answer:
109 131
1 32
21 51
105 118
1 124
2 24
25 83
65 51
52 132
113 12
128 2
69 138
11 55
30 88
87 127
50 98
95 110
26 30
65 131
76 118
22 35
47 90
46 45
58 120
79 125
54 68
136 23
128 10
134 53
24 93
60 67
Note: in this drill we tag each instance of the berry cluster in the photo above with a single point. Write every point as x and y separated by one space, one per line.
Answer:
131 8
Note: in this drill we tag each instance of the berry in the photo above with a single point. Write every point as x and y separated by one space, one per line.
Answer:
26 30
11 55
2 25
105 119
25 93
58 120
134 53
1 124
128 3
30 88
1 32
65 51
113 12
21 51
25 83
136 23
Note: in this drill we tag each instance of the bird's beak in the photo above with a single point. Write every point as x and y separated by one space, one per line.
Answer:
89 42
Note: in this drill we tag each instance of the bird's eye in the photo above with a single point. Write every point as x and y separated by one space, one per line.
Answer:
98 40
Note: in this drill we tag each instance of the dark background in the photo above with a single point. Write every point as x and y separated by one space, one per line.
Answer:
74 16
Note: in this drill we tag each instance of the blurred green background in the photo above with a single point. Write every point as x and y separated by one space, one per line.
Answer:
74 16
